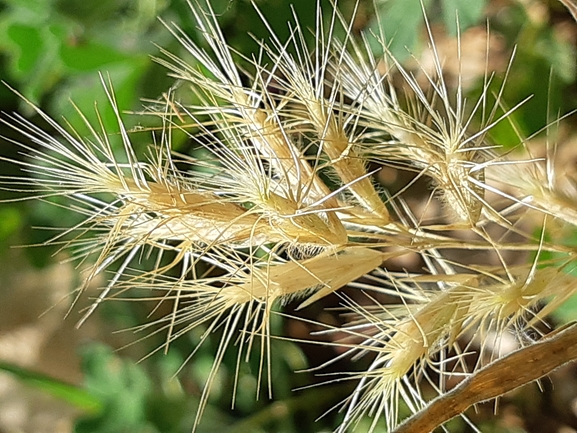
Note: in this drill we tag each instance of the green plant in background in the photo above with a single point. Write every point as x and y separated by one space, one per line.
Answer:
262 189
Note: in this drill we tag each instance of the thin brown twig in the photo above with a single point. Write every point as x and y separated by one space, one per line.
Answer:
519 368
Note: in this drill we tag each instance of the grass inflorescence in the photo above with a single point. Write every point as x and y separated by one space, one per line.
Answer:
286 205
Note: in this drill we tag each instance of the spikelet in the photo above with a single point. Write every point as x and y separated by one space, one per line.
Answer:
411 338
537 185
302 83
237 109
153 204
150 201
284 208
241 301
405 338
432 134
513 301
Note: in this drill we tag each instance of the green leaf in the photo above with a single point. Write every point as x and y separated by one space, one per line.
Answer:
399 22
30 46
37 6
10 221
464 13
74 395
89 56
122 386
566 312
559 54
31 51
87 93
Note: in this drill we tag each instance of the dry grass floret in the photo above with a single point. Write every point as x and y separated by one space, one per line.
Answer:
287 207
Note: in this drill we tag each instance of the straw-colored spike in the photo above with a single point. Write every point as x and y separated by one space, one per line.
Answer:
407 338
503 302
304 86
432 134
244 303
537 187
328 272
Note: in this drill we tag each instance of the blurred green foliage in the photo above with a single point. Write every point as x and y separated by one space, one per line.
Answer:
400 22
52 51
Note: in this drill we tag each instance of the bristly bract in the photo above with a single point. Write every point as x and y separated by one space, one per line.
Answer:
287 205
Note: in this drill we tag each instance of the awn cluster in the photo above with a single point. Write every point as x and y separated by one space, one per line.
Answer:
287 205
